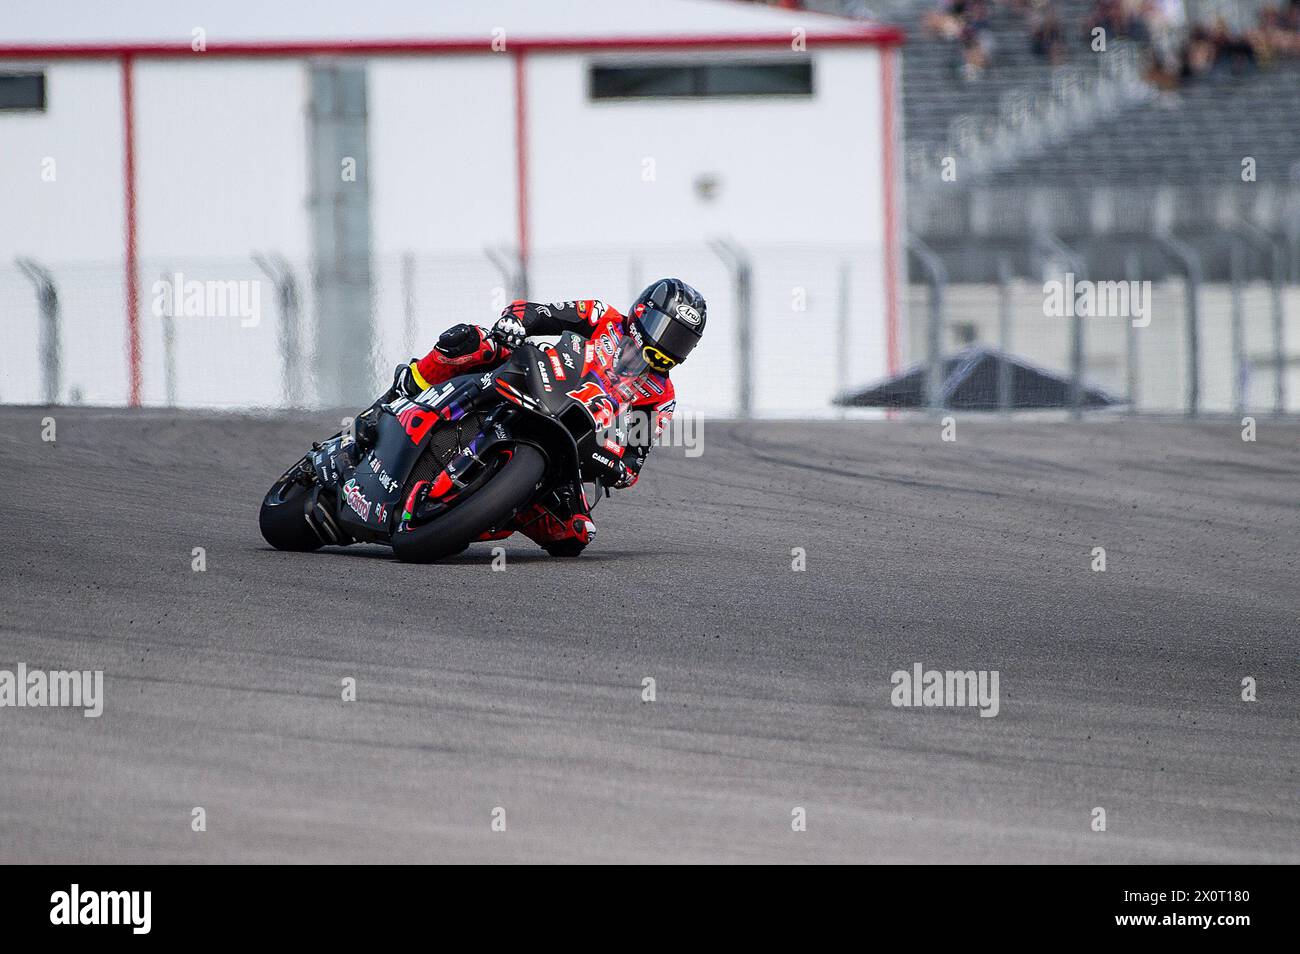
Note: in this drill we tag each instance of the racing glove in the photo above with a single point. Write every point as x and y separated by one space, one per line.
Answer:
623 476
509 331
460 341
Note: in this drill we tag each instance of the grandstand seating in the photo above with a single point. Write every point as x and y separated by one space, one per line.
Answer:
1168 161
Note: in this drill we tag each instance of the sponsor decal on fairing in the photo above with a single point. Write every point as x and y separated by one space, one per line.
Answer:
387 482
556 366
356 499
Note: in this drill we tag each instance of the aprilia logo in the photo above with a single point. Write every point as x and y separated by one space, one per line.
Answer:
417 422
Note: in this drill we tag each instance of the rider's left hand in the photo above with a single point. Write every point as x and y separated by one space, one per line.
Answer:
461 341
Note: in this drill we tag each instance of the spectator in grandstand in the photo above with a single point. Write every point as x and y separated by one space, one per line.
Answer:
947 21
1047 35
976 47
967 23
1119 18
1278 32
1178 51
1200 54
1231 51
1165 22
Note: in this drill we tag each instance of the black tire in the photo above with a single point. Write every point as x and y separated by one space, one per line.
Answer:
283 518
488 508
565 548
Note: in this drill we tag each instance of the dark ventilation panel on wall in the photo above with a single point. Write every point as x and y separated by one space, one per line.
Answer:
22 91
701 80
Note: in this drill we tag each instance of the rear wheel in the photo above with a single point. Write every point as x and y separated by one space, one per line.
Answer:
490 507
283 518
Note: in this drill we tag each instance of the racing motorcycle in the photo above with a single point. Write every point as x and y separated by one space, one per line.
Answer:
429 475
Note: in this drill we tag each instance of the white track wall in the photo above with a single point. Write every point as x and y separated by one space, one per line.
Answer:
77 217
791 169
222 173
797 185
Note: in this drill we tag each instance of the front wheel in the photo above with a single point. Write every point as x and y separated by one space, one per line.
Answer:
283 518
489 508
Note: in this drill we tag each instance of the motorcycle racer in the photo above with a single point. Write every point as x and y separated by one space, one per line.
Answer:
629 356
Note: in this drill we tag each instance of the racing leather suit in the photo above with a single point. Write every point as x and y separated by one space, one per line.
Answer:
645 403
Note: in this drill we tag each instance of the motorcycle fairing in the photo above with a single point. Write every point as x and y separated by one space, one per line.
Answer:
370 494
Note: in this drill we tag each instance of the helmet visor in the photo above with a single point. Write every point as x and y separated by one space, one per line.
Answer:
671 336
630 362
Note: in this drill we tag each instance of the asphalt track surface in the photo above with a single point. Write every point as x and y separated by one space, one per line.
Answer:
521 689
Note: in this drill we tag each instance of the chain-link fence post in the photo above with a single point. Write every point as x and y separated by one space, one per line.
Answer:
937 277
1236 281
1074 261
1277 280
510 265
737 260
168 319
1132 366
408 304
1279 329
1004 335
47 297
277 268
1190 260
1275 250
842 317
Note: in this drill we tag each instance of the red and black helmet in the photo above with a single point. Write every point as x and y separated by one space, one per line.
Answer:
667 322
